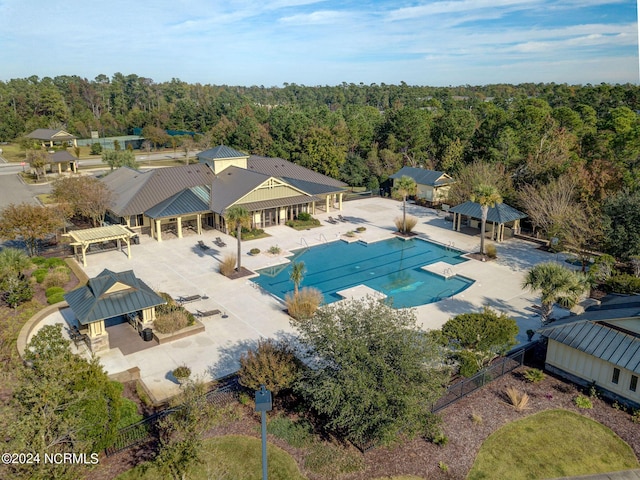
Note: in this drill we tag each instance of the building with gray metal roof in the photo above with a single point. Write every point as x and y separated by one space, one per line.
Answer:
504 219
432 185
602 345
166 200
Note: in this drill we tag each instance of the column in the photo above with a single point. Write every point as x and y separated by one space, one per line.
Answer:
453 226
327 203
199 223
158 230
179 226
340 201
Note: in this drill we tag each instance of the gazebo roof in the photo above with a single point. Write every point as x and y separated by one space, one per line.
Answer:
500 213
109 295
50 134
100 234
62 156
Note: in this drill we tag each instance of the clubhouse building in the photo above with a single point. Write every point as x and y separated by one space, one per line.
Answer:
170 200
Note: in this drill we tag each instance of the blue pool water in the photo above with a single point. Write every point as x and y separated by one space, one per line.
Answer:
390 266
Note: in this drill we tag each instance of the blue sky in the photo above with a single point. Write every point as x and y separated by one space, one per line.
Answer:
315 42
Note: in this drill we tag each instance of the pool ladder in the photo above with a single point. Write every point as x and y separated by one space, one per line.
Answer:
447 272
322 238
303 241
451 245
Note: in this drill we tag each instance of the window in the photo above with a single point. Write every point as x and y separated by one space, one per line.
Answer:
616 375
633 385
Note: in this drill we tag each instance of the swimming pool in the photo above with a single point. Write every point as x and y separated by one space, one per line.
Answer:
391 266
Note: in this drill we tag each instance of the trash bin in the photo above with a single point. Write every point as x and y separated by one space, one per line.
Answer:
135 240
147 334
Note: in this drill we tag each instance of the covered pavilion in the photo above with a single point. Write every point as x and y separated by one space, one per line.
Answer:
49 137
112 295
504 219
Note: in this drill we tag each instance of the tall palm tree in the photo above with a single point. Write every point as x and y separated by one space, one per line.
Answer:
556 284
238 217
296 276
403 188
487 196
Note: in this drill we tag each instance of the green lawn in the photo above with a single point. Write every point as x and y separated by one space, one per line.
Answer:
550 444
238 456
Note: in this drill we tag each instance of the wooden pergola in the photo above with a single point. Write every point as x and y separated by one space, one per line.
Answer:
85 238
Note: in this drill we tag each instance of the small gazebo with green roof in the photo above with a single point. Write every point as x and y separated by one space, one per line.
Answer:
501 216
110 295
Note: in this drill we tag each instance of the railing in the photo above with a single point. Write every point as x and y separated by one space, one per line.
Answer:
322 238
147 428
303 241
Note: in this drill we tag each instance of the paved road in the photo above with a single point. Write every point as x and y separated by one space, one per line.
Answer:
14 190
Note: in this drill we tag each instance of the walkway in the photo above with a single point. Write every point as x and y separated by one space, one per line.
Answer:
180 268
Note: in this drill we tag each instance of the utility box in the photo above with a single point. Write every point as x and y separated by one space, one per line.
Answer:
263 400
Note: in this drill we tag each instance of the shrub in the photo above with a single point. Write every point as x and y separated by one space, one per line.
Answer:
623 283
635 417
517 399
40 261
443 466
275 250
303 304
56 278
228 265
128 413
254 251
534 375
96 149
491 251
304 216
468 363
57 298
271 363
476 418
298 433
583 402
171 321
411 223
350 234
168 298
39 274
54 262
142 394
182 372
53 291
16 289
441 439
361 229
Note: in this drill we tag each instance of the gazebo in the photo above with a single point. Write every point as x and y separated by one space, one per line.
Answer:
503 218
111 295
63 157
49 136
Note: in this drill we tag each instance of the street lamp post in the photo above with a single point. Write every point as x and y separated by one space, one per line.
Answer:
263 405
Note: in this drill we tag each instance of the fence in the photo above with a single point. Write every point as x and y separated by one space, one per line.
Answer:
469 385
147 428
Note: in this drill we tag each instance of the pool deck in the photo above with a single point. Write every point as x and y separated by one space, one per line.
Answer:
180 268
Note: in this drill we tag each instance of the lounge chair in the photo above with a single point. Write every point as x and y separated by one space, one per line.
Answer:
202 245
218 241
190 298
342 219
207 313
332 220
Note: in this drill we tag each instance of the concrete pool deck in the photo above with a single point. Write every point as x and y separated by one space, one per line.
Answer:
180 268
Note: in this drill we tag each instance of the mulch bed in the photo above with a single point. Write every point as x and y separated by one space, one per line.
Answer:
421 458
243 272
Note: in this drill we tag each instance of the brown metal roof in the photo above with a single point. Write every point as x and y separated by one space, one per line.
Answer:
277 167
136 192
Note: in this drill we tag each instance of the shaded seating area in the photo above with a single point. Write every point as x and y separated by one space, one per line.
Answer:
504 220
94 236
116 298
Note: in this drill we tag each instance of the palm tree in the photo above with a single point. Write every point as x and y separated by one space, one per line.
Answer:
487 196
13 262
403 188
556 284
238 217
296 276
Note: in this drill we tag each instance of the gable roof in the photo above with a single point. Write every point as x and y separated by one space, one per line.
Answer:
594 332
136 192
110 294
189 200
231 185
500 213
423 176
219 152
277 167
50 134
61 156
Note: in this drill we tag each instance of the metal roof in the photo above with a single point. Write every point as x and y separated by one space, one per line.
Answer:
136 192
279 202
277 167
595 332
423 176
50 134
190 200
94 302
311 187
219 152
231 185
62 156
500 213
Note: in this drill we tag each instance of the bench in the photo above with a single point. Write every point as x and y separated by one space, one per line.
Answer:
207 313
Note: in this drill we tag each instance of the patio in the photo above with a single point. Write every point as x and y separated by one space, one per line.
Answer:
180 268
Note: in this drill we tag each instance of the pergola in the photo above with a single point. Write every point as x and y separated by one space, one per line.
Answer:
499 216
85 238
